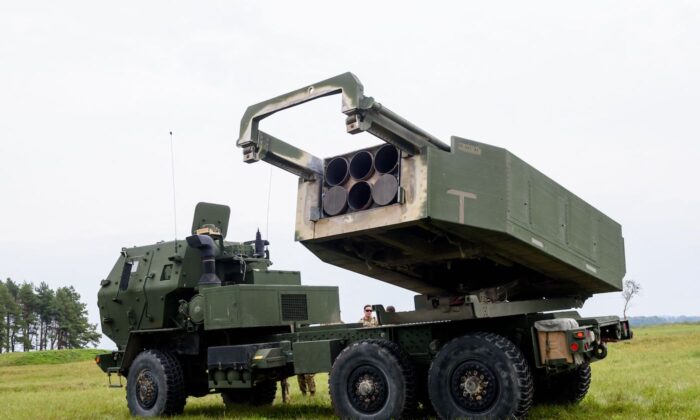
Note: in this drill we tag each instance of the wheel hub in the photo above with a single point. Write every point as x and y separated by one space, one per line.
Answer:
474 386
367 389
146 389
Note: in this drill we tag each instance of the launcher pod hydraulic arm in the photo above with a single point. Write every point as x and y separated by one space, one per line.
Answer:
363 114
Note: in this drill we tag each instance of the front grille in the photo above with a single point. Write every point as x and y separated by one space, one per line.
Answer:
294 308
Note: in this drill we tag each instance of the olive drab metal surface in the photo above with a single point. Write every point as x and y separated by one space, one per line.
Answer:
216 215
437 218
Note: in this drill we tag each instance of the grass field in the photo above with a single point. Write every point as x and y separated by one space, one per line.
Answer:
51 357
657 375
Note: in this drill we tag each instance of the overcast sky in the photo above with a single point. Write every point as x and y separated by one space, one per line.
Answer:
604 97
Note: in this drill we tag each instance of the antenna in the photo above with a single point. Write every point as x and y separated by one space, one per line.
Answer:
172 169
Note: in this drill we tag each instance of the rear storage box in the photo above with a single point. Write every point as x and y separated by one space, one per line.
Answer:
551 338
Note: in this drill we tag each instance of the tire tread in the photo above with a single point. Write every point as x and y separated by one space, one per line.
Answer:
408 372
522 369
565 388
406 369
520 365
176 396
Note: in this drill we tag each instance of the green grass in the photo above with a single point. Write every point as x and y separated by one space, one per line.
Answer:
48 357
656 375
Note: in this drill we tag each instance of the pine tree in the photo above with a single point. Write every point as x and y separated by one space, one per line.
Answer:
39 318
12 315
46 313
73 329
4 303
28 306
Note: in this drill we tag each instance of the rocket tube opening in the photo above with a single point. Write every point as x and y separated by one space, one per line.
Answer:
385 189
360 196
362 165
387 159
335 200
337 171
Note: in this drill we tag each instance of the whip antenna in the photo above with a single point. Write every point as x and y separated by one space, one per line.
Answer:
172 170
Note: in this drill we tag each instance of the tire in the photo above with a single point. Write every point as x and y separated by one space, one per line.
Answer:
155 385
480 375
565 388
372 379
262 393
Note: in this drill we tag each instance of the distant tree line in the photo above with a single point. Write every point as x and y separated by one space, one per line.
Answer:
639 321
40 318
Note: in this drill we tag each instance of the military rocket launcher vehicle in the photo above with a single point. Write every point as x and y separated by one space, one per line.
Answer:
497 252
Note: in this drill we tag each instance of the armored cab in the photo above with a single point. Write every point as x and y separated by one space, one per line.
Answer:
207 282
438 219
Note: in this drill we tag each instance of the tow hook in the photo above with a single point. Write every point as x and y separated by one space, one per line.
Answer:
601 351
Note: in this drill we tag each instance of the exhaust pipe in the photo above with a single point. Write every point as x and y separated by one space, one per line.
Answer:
335 201
360 196
362 165
205 245
387 159
337 171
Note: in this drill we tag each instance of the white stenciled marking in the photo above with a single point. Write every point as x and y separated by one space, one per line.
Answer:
537 242
462 195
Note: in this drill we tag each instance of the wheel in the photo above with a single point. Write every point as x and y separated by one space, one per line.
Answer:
480 375
262 393
155 385
372 379
569 387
